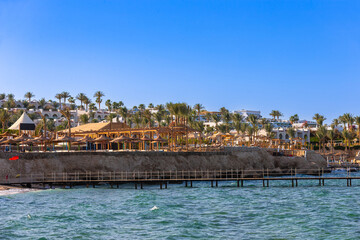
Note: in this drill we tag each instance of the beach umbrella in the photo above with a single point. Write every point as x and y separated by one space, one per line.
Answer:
66 139
145 139
87 140
158 140
121 139
102 139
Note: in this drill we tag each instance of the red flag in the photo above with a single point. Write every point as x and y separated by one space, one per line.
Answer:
14 158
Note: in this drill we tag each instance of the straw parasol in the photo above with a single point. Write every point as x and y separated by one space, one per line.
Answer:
121 139
102 139
145 138
65 138
7 134
22 138
159 139
9 141
87 139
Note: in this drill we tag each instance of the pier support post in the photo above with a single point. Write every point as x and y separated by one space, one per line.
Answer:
319 182
267 184
350 182
161 185
117 185
296 182
263 183
323 182
242 183
292 183
186 184
135 185
190 183
347 182
212 183
165 185
93 185
141 185
216 183
238 183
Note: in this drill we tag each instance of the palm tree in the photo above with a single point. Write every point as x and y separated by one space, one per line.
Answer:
81 97
357 121
273 114
348 136
84 118
55 105
124 113
321 134
349 119
158 117
108 104
65 95
236 117
67 114
269 131
142 107
263 122
294 118
319 119
29 95
2 96
227 119
343 121
151 105
59 97
98 97
335 122
198 107
331 135
250 130
42 103
291 132
216 119
86 101
276 114
4 118
253 120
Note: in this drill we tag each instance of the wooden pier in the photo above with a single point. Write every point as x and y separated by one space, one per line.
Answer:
163 178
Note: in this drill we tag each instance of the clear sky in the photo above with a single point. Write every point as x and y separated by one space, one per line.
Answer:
295 56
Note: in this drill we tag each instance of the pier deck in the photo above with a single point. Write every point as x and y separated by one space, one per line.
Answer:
165 177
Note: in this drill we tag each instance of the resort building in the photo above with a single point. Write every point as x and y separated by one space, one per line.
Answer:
246 113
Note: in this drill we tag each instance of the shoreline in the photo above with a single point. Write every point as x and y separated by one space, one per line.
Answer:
6 190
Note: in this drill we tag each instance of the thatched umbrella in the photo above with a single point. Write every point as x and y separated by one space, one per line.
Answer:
66 139
7 134
86 139
42 140
158 140
102 139
9 142
145 139
121 139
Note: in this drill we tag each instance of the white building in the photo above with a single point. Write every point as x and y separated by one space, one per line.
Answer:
246 113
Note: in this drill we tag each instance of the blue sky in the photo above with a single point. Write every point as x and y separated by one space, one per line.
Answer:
295 56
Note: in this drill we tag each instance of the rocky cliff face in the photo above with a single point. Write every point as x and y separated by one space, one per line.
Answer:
237 158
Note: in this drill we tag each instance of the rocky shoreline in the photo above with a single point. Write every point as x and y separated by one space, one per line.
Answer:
232 158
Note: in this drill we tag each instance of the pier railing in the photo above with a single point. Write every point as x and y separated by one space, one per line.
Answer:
154 176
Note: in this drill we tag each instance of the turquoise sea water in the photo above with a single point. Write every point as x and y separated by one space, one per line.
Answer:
201 212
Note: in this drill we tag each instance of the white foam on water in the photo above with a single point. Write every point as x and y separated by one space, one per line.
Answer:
154 208
11 191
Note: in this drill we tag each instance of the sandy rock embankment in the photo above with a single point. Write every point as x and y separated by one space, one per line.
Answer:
237 158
